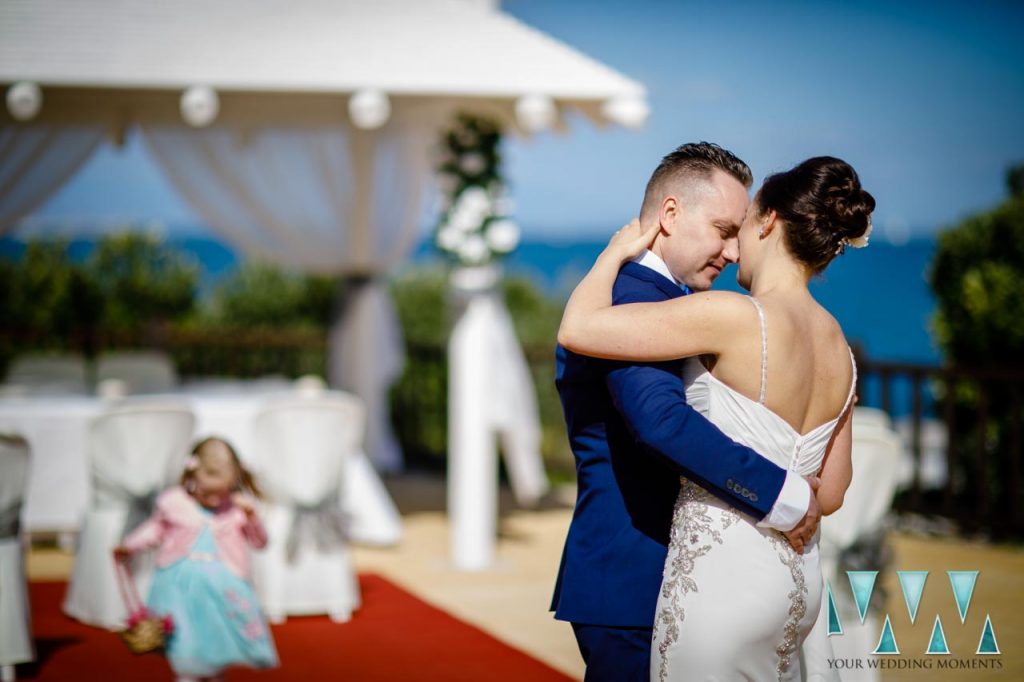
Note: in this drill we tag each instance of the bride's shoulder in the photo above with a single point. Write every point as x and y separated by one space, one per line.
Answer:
723 302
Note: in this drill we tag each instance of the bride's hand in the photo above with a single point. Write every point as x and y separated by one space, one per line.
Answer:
632 240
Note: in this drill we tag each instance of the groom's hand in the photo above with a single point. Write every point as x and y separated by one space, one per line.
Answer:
802 533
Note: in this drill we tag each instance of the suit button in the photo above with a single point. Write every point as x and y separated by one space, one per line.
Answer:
753 497
730 485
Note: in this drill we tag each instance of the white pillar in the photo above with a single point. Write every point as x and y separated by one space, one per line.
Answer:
472 452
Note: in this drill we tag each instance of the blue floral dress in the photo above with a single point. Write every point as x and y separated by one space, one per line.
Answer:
217 618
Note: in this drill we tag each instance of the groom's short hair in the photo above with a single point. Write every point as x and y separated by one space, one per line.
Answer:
696 161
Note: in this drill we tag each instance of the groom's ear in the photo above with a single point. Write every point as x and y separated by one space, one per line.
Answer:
669 214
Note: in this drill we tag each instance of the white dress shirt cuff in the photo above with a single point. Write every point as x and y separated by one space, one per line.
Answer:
791 505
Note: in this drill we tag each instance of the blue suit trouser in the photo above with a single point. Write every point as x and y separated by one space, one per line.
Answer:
614 654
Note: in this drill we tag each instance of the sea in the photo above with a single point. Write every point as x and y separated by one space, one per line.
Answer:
880 294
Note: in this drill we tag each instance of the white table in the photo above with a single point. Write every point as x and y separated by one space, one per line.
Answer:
56 428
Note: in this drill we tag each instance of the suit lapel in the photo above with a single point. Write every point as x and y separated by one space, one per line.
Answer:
665 285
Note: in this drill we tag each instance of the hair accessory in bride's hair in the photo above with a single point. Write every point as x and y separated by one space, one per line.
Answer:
856 242
192 463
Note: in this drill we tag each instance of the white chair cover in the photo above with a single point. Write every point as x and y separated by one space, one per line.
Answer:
15 624
39 373
136 450
141 371
876 460
302 445
934 443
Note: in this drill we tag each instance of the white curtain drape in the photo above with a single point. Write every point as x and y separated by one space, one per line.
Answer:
35 161
331 200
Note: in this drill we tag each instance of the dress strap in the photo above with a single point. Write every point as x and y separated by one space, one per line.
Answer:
853 382
764 349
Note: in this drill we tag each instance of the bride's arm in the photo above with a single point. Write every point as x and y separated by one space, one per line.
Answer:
837 470
683 327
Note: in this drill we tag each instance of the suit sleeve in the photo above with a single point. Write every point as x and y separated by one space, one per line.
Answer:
652 401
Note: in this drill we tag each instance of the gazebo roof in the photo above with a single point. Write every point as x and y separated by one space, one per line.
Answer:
421 48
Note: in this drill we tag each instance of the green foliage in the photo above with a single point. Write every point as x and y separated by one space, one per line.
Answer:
140 281
535 316
1015 180
262 295
979 323
976 275
420 297
45 297
472 134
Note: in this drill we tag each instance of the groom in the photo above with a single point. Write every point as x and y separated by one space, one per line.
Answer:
633 435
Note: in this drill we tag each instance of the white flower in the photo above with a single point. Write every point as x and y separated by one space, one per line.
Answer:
449 238
472 163
475 199
473 250
503 235
461 221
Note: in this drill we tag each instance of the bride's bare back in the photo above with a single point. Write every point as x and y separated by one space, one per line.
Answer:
808 370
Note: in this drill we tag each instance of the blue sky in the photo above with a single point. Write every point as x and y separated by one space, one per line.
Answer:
925 99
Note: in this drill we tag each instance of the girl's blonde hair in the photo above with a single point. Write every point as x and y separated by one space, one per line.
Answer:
246 481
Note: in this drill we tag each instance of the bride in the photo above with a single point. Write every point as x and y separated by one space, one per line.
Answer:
774 372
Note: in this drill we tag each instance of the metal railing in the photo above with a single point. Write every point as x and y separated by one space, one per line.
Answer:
981 416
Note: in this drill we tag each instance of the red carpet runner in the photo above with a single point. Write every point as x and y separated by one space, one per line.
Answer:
394 636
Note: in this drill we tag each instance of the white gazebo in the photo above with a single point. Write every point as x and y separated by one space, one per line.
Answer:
302 131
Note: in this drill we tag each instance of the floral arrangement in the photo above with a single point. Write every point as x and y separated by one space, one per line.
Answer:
475 228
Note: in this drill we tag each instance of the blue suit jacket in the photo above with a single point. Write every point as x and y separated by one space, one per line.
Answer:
633 436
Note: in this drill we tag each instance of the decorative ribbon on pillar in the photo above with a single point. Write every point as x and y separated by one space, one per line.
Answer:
10 521
324 524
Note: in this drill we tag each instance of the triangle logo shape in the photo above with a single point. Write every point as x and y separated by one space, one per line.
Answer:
937 643
863 584
887 640
987 644
912 586
963 589
835 626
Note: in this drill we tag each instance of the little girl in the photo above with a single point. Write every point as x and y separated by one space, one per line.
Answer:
201 528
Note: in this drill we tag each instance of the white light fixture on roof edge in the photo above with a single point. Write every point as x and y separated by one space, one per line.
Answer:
369 109
630 111
535 113
199 106
24 100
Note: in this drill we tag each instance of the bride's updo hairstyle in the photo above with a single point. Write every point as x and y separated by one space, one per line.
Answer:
823 207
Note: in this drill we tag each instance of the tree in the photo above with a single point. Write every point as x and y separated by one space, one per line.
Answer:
976 277
141 281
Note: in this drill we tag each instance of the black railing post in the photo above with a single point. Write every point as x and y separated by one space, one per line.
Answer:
951 451
981 460
915 439
1013 455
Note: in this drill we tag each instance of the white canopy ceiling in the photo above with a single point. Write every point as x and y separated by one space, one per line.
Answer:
409 49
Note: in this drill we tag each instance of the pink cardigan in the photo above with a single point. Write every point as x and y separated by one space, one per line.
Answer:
177 521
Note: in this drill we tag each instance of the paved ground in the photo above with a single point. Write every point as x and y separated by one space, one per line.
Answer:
510 601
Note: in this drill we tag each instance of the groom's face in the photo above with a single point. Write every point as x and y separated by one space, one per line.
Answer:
702 237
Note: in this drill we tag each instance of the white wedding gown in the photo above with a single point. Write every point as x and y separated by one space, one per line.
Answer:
736 601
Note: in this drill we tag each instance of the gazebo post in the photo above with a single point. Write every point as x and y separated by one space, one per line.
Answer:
356 354
472 448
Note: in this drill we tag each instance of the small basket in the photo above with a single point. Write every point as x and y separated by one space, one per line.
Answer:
145 631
